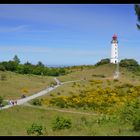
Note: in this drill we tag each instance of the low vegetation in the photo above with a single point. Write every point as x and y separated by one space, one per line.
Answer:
16 121
14 85
36 102
61 123
103 61
36 130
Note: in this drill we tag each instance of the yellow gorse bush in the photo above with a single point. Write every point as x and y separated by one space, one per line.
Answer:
104 100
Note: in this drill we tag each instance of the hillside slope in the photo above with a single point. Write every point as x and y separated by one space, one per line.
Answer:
14 85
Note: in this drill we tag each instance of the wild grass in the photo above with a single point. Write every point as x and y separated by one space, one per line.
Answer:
15 121
16 85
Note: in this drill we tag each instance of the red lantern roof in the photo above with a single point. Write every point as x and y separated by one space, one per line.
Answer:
114 37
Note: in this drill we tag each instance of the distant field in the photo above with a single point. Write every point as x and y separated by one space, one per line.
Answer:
16 85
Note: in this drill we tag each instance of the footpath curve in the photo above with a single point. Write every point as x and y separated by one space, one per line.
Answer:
41 93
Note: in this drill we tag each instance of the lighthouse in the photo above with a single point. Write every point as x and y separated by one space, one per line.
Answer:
114 50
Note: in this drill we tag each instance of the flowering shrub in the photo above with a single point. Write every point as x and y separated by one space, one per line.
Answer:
102 99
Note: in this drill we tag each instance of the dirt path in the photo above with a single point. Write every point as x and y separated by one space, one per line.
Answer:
41 93
59 110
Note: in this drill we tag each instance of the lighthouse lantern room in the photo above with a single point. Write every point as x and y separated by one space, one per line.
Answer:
114 50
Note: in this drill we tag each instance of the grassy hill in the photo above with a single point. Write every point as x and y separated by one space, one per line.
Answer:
14 85
97 87
104 73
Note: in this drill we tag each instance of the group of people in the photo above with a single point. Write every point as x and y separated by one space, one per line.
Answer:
12 102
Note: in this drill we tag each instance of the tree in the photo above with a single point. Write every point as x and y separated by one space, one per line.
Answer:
137 12
10 65
103 61
40 64
38 70
20 68
53 72
130 64
27 69
62 71
28 63
16 59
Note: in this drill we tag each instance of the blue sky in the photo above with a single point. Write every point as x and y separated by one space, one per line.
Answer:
67 34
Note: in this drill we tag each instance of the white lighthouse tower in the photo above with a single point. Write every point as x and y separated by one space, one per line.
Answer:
114 50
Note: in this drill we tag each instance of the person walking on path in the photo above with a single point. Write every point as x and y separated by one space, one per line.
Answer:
16 102
10 102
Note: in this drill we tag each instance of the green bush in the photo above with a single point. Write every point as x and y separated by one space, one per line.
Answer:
36 102
130 64
103 61
61 123
35 129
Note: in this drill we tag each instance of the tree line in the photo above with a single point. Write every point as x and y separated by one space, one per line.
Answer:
129 64
14 65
